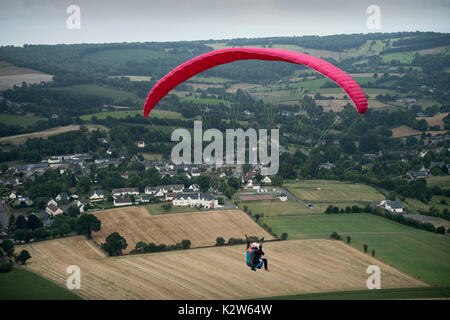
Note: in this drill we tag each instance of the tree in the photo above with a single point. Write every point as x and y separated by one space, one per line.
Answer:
33 222
21 223
284 236
23 256
114 244
220 241
64 229
349 239
441 230
373 253
73 211
87 223
167 206
220 201
186 244
8 247
22 235
12 224
365 246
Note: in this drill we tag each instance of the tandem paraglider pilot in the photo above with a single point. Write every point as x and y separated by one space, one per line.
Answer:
254 255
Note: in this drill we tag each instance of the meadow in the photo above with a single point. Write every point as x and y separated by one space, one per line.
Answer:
422 254
18 120
21 284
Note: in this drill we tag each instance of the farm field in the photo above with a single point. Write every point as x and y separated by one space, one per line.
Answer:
436 120
22 138
22 284
17 120
11 75
304 266
201 227
118 96
422 254
404 131
442 181
134 78
123 114
333 191
290 207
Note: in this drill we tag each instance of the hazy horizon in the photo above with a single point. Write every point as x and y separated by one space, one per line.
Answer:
44 21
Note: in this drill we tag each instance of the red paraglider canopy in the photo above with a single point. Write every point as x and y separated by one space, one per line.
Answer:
222 56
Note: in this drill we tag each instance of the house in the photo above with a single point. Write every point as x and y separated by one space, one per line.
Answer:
143 199
53 210
392 206
125 192
195 172
97 195
62 197
122 202
81 205
124 174
267 180
195 199
194 187
283 197
328 165
160 191
170 196
52 202
140 144
13 195
53 160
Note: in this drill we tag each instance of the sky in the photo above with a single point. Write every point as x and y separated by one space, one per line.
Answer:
46 21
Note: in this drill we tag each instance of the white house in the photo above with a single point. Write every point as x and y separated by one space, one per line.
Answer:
267 180
141 144
122 202
97 195
53 210
392 206
125 192
283 197
195 199
194 187
12 195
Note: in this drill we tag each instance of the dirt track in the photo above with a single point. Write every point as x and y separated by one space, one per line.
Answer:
201 228
300 266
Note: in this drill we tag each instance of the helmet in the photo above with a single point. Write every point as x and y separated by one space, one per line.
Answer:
254 245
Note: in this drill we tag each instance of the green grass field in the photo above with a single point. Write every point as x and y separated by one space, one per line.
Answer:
212 80
152 156
272 208
333 191
441 181
121 57
403 57
205 101
17 120
123 114
382 294
134 78
422 254
90 89
156 209
20 284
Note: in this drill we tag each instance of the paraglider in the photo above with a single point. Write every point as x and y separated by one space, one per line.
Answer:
218 57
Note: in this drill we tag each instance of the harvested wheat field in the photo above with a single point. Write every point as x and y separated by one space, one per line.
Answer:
298 266
10 76
22 138
404 131
436 120
202 228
